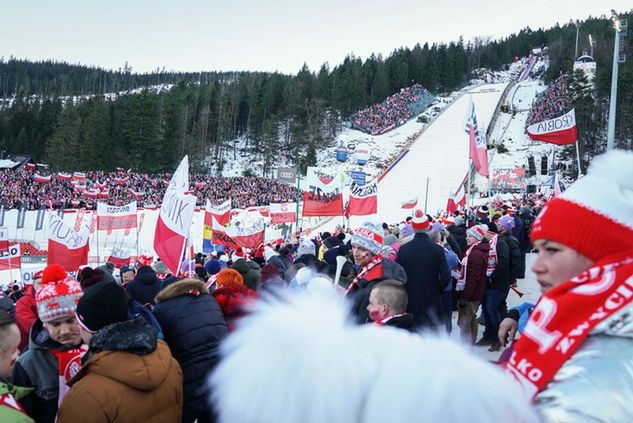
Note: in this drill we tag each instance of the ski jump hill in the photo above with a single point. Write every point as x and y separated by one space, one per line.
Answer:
440 154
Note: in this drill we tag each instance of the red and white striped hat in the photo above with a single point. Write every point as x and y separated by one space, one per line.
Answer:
476 232
594 216
420 221
369 236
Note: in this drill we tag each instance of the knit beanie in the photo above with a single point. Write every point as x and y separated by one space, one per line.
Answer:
333 241
213 266
594 216
369 236
58 295
102 305
476 232
507 222
420 222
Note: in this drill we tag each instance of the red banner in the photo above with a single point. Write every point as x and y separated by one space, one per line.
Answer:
363 200
65 246
559 131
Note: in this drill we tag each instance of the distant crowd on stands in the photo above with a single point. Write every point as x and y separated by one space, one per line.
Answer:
395 110
121 187
552 103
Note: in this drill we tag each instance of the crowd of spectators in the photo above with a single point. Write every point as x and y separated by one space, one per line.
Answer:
395 110
553 102
121 187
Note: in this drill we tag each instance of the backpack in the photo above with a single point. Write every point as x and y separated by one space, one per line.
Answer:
136 309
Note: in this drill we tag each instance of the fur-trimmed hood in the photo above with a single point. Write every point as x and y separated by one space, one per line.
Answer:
182 287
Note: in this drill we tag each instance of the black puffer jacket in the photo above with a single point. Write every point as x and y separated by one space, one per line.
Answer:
193 325
501 278
145 286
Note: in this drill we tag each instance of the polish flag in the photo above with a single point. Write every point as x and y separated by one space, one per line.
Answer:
320 199
39 179
65 246
174 219
233 237
116 217
136 194
121 181
363 200
221 213
100 185
10 258
4 238
92 193
559 131
30 166
283 213
119 257
458 198
64 176
79 177
410 204
478 145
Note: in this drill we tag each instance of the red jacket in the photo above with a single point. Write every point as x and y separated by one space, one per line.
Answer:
476 273
233 301
25 314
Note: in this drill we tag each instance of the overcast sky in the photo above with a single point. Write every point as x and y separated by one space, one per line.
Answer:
195 35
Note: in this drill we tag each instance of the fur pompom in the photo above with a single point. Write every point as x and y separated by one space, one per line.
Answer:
616 165
53 273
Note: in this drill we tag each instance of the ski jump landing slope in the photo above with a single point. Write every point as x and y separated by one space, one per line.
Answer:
439 154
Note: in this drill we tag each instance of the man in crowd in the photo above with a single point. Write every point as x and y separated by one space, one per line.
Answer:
578 339
127 275
129 374
55 346
372 268
26 309
388 306
427 274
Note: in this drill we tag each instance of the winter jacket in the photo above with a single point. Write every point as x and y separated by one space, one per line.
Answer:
405 322
596 383
427 277
10 411
129 376
359 295
501 278
459 233
476 273
37 368
193 325
26 314
517 260
145 286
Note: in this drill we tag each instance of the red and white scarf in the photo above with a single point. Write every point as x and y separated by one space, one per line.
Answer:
371 264
382 322
565 315
461 281
492 255
68 365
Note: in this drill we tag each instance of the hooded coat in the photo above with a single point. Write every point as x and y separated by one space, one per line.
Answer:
193 325
129 376
145 286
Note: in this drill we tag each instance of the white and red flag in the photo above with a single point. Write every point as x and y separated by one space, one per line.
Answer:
116 217
65 246
121 181
79 177
221 213
247 236
559 131
363 199
101 185
174 219
410 204
64 176
119 257
282 213
457 199
39 179
4 238
136 194
478 145
92 193
10 258
321 199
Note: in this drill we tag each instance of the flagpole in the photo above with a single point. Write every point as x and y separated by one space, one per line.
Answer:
468 192
578 157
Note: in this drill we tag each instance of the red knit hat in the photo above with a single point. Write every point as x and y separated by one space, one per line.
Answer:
58 295
594 216
420 221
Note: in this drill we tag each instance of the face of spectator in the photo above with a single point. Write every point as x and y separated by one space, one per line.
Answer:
471 240
127 277
376 311
557 263
9 352
36 284
361 255
65 331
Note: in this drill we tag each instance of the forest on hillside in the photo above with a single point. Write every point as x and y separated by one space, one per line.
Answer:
58 112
